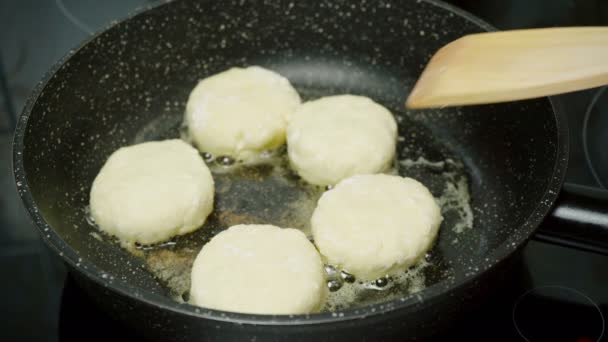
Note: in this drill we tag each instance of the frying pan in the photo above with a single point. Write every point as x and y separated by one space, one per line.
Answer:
130 82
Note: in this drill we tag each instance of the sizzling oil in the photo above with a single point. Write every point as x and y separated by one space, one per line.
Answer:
266 190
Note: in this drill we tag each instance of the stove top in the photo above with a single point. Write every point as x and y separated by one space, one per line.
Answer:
557 291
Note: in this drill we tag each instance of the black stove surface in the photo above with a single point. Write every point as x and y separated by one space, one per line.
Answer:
556 293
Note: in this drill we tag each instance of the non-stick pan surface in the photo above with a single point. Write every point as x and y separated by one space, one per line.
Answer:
130 83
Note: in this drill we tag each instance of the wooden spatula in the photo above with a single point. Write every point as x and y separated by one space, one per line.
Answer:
513 65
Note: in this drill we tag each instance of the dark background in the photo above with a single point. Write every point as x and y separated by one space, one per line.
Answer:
34 34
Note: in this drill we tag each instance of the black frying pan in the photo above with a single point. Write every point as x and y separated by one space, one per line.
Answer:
130 83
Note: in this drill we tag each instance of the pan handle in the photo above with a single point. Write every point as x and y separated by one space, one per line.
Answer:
579 219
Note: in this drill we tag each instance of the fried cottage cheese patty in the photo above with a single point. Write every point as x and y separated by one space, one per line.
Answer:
149 192
336 137
374 225
240 112
260 269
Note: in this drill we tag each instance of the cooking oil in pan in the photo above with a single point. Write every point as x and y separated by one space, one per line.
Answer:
346 291
267 191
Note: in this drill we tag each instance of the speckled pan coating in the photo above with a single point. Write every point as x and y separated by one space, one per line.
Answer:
130 83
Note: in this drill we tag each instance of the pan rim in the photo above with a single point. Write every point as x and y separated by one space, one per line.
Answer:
429 294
